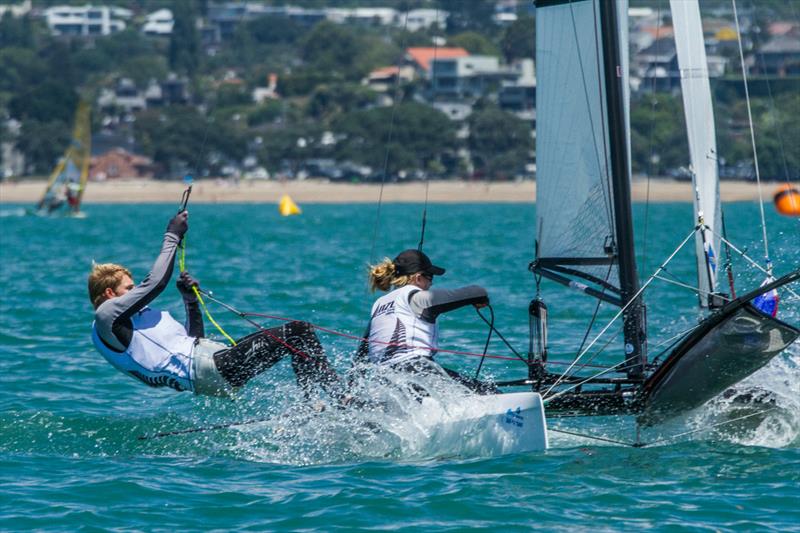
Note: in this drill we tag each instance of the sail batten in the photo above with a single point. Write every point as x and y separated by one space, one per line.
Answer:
699 114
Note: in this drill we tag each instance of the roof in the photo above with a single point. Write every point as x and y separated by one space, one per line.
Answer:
424 56
782 44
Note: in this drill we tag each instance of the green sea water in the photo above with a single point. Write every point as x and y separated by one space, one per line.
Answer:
70 457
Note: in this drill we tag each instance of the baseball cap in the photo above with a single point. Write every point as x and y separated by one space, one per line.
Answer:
413 261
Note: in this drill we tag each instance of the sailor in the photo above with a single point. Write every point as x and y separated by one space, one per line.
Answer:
403 332
151 346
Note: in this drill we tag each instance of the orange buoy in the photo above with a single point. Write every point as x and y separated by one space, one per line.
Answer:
787 201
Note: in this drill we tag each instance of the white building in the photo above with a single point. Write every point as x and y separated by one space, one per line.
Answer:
418 19
159 23
379 16
464 77
86 20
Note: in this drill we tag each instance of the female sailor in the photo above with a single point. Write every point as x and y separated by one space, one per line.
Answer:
403 332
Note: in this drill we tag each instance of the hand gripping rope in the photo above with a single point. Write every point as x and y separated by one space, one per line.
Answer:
182 263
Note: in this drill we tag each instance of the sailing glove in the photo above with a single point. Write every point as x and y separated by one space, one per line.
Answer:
185 283
179 224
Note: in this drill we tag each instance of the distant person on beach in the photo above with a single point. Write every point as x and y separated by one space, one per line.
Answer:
403 333
151 346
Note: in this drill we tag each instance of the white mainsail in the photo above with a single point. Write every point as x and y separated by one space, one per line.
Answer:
700 129
574 191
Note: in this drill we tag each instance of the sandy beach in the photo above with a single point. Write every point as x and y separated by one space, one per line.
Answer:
320 191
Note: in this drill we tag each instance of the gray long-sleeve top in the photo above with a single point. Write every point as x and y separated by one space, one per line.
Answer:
113 317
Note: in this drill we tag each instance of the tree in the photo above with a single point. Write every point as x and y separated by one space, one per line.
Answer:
330 47
46 102
17 32
658 134
518 40
180 137
184 49
412 136
329 100
20 68
474 43
43 143
500 142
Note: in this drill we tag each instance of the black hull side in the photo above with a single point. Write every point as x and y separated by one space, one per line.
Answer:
726 348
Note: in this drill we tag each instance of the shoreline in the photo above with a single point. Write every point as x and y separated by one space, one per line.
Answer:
321 191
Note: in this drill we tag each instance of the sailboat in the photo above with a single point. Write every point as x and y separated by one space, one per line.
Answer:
584 231
67 183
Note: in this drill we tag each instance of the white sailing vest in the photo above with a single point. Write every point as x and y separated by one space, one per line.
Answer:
396 333
160 352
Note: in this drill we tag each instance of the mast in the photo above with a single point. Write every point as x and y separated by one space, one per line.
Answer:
633 317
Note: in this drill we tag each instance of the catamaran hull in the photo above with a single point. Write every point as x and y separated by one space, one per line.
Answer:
490 425
714 358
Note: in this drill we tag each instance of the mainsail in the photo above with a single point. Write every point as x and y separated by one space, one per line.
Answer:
68 181
584 220
700 129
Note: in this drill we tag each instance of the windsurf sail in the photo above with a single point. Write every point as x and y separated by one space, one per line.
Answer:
67 183
699 114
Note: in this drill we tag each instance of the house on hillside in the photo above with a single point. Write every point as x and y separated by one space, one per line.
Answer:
518 96
86 20
420 19
118 163
124 96
385 78
420 57
464 77
657 66
780 56
159 23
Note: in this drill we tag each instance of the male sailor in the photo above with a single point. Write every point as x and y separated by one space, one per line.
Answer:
150 345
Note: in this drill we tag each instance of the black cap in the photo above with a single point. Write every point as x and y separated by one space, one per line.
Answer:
413 261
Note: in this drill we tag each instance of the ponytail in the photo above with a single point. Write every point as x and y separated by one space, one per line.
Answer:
383 276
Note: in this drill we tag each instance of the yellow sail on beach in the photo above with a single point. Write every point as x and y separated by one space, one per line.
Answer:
67 183
287 207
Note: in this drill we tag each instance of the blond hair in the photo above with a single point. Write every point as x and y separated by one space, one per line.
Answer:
384 276
104 276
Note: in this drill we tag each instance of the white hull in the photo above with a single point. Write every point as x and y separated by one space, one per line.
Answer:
487 425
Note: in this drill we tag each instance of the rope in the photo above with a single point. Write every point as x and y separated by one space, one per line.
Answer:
592 437
245 315
658 441
752 139
182 268
705 428
488 338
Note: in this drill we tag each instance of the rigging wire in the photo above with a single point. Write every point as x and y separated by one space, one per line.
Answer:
750 260
752 140
389 136
621 311
760 54
427 178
